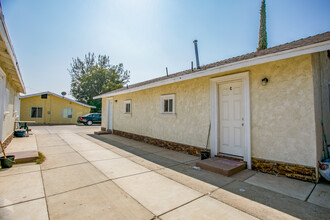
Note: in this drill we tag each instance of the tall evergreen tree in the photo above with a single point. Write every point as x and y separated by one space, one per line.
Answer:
262 30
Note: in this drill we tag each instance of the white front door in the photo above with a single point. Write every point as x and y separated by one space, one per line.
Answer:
231 115
110 114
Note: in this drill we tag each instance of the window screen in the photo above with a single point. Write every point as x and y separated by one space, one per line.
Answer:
127 106
67 112
36 112
167 103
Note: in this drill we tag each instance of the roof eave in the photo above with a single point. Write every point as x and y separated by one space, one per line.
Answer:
54 94
313 48
13 70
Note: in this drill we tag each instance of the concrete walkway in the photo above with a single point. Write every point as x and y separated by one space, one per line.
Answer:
110 177
24 149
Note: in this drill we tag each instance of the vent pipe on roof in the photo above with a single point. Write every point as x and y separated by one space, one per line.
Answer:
196 53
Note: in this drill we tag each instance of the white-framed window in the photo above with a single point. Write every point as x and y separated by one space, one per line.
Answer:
36 112
167 104
128 106
67 113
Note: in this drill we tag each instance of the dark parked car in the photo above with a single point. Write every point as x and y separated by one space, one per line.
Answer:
89 119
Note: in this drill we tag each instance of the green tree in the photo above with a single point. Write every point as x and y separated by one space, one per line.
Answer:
262 30
91 77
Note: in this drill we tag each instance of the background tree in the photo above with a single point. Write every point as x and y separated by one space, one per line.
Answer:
91 77
262 30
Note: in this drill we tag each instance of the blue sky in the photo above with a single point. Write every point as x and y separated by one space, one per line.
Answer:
147 35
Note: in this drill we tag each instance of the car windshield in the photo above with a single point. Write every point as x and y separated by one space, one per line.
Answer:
87 115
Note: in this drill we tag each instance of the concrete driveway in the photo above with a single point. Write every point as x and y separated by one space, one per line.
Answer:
110 177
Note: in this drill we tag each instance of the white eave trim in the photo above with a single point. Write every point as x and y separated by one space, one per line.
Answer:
54 94
313 48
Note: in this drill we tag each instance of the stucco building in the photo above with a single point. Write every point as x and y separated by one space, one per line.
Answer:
11 85
264 107
50 108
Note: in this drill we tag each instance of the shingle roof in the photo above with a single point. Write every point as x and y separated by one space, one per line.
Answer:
288 46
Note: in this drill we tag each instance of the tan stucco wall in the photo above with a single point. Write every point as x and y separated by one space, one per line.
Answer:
189 127
282 113
52 110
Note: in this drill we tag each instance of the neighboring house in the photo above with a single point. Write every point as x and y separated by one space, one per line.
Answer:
264 107
11 85
50 108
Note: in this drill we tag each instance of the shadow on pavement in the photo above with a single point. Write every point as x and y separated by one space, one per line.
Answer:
294 207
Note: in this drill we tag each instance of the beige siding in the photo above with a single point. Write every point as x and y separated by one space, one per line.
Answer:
10 110
52 110
104 113
282 113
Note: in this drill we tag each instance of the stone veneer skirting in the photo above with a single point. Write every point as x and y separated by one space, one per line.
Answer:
295 171
192 150
8 140
266 166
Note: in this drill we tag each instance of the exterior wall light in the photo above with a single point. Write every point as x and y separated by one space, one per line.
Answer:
264 81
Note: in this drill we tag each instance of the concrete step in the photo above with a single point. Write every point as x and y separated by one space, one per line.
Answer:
24 156
102 132
223 166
